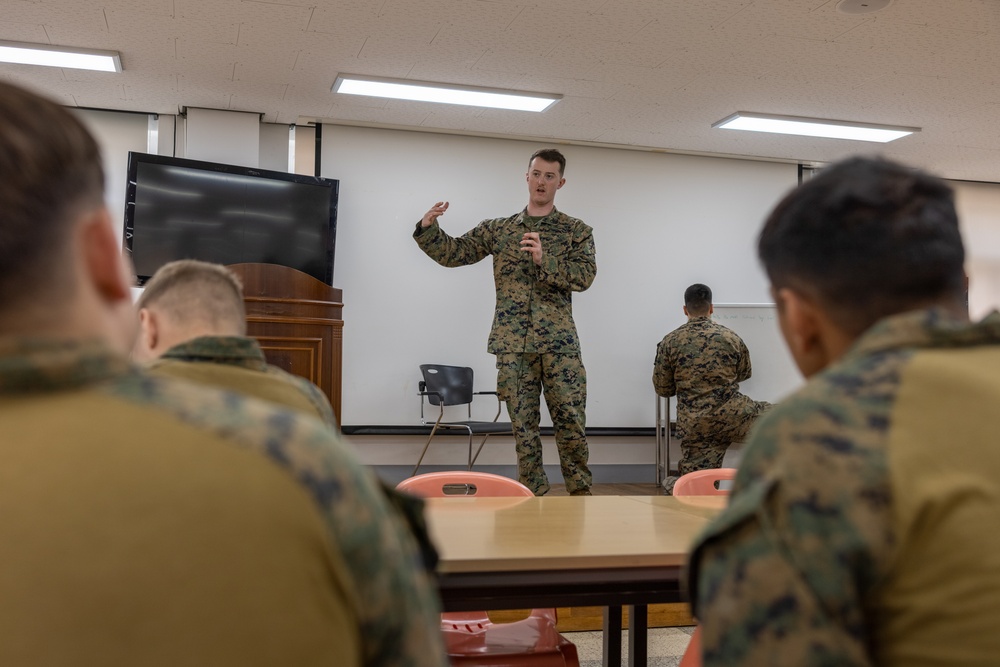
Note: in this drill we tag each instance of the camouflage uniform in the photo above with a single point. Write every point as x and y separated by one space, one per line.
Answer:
702 363
533 334
149 521
238 364
861 529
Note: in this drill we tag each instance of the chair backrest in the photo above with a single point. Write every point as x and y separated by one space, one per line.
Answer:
462 483
452 385
702 482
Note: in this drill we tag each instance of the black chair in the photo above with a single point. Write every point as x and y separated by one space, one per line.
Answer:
447 386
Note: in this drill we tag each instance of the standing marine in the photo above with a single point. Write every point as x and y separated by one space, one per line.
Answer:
540 257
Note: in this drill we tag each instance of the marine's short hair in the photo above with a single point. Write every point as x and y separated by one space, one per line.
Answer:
550 155
698 299
191 291
50 173
868 238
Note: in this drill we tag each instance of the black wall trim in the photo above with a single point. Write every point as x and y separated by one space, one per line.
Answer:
318 158
612 431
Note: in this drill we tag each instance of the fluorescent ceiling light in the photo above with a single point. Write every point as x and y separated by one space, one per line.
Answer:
422 91
59 56
813 127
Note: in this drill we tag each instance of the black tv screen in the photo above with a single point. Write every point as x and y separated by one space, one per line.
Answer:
189 209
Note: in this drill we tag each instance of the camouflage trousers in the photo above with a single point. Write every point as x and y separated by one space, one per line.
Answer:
521 380
704 451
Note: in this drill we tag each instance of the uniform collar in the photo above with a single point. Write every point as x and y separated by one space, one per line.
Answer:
523 216
30 365
232 350
930 328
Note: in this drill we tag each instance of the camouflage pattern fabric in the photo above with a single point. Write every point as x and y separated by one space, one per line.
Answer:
397 606
238 364
211 360
702 363
825 555
521 378
534 315
534 304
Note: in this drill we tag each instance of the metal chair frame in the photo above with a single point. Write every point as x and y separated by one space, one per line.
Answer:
453 396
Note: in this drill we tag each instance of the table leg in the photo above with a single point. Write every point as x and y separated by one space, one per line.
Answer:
612 637
637 635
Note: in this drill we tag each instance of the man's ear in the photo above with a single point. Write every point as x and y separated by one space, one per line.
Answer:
149 332
102 257
803 325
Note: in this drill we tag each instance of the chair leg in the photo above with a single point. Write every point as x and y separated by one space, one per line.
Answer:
476 457
426 445
471 460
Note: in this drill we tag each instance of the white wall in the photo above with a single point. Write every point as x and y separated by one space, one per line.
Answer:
273 147
117 133
661 223
229 137
305 150
979 212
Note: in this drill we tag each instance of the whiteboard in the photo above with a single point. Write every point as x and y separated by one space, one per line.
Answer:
774 372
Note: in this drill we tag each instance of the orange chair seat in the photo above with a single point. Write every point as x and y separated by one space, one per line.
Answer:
532 641
471 638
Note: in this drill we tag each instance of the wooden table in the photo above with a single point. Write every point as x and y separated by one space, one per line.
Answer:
561 551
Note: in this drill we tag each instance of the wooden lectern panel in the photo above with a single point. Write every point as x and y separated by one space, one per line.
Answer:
298 322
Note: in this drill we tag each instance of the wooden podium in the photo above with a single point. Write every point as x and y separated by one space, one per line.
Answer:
298 322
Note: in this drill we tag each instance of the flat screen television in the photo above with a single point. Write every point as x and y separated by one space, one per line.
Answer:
188 209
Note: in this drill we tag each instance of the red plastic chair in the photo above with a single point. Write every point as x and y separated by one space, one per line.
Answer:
692 655
471 637
700 483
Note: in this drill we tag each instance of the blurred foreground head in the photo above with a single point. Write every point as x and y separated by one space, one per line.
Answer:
864 239
61 270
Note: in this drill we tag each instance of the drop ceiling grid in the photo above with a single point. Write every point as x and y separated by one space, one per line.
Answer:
23 31
99 92
209 11
965 15
205 61
510 122
147 8
906 46
578 89
344 19
192 30
77 20
263 25
42 79
84 26
254 96
918 98
958 162
685 18
604 27
641 72
452 55
477 23
616 53
758 21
